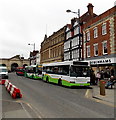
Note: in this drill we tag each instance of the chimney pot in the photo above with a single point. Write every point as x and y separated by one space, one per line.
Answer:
90 9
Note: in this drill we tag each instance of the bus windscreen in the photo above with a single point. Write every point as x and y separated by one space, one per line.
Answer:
79 71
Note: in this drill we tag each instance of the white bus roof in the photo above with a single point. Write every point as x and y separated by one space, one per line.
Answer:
32 66
64 63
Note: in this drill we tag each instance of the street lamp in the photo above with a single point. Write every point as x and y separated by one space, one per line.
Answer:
78 14
32 45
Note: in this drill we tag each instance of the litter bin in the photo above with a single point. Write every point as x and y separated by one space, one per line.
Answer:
102 87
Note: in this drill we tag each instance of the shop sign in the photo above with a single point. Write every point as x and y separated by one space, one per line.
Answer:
101 61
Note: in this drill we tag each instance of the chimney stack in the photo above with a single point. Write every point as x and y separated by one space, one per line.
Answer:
90 9
73 21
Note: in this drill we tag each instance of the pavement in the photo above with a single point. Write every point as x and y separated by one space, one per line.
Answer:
108 97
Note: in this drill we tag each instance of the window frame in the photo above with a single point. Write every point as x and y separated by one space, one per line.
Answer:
104 29
68 35
88 52
76 30
96 44
95 32
88 35
103 43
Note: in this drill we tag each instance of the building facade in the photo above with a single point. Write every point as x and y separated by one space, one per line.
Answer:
89 38
34 57
13 62
38 58
100 42
52 47
73 44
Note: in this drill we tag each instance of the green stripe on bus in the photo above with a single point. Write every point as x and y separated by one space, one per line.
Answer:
64 82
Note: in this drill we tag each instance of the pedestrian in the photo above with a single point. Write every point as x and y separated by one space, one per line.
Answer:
111 82
92 78
102 74
98 78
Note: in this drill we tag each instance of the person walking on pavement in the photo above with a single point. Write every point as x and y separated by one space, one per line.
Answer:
92 78
98 77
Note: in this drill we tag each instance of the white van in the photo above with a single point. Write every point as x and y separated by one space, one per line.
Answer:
3 72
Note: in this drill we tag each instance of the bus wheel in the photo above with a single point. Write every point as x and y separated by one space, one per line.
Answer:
60 82
32 76
47 79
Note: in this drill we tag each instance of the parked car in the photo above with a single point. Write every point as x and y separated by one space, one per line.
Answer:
3 72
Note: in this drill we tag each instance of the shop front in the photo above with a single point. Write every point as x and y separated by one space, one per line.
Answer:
105 66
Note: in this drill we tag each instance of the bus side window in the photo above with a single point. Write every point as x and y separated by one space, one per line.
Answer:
39 71
66 70
44 69
55 70
60 70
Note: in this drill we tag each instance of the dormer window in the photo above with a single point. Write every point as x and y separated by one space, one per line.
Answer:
76 23
76 30
68 35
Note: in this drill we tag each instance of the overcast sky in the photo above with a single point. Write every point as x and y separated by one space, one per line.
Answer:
27 21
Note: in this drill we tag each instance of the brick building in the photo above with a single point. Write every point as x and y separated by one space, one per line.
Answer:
73 44
98 43
99 35
52 47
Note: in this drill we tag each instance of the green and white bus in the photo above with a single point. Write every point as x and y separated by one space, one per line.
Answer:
33 71
67 73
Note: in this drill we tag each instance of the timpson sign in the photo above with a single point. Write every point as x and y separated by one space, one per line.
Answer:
101 61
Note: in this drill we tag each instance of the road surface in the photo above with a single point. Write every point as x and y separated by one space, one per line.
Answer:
45 100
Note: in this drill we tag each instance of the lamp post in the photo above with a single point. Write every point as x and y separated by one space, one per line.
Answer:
33 46
78 14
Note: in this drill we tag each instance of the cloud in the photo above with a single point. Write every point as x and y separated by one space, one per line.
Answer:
25 21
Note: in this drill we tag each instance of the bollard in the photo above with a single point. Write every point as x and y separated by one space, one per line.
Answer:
102 87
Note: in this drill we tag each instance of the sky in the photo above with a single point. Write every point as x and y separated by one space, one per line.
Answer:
27 21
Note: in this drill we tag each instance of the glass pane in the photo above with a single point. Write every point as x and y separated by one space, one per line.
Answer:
79 71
